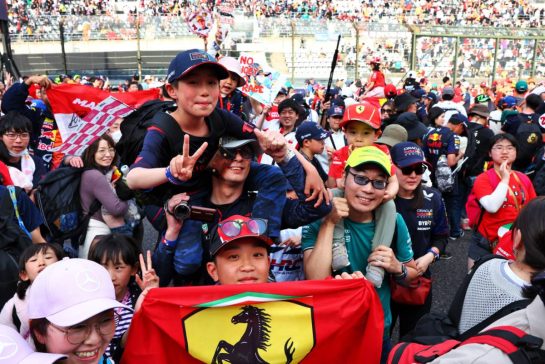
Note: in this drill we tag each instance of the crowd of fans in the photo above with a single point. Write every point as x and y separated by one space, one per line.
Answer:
504 13
364 181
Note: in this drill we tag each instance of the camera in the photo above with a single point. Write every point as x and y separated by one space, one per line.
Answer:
184 211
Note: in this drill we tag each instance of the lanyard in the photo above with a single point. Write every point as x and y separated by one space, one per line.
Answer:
14 201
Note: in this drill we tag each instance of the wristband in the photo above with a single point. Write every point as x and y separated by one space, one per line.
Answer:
171 178
436 255
170 244
402 275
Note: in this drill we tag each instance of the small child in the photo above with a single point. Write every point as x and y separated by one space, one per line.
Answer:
361 124
240 251
32 261
120 255
310 137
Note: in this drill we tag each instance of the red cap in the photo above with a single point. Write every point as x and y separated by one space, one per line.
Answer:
32 89
364 112
4 172
257 231
483 84
390 90
375 60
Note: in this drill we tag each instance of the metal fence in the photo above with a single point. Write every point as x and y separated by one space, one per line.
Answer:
302 48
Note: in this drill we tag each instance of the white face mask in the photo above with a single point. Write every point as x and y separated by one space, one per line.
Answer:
116 135
12 154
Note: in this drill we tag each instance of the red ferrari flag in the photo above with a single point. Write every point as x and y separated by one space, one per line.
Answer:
331 321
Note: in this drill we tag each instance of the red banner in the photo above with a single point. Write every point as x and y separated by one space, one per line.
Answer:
71 102
331 321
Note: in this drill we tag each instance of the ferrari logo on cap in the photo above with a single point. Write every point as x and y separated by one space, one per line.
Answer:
360 108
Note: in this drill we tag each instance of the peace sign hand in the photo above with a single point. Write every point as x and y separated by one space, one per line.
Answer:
182 166
149 277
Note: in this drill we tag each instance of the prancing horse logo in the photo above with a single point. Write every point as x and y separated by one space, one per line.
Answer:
255 338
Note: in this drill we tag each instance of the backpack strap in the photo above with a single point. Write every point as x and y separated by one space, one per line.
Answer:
15 318
172 130
12 195
518 345
455 310
514 342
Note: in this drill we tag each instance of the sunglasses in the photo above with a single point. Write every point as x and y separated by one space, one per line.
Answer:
386 111
362 181
231 154
419 169
234 227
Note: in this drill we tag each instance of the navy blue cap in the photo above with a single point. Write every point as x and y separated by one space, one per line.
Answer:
458 119
335 110
508 101
300 99
418 93
187 61
310 130
406 154
431 96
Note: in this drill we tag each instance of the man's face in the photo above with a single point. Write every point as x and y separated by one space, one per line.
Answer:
244 261
234 171
456 128
288 117
133 87
364 199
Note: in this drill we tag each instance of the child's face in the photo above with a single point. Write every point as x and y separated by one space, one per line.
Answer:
93 344
242 262
37 263
314 146
121 273
229 84
197 93
359 134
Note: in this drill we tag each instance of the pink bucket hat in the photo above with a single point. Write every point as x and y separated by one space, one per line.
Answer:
71 291
233 65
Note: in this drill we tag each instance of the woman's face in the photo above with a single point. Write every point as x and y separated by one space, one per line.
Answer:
440 120
503 151
410 177
16 142
83 343
105 154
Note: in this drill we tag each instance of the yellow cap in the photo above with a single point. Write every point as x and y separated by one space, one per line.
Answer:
369 155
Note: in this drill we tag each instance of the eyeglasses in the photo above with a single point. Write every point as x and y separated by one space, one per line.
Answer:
77 334
387 111
419 169
501 148
104 151
13 136
362 181
234 227
231 154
